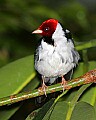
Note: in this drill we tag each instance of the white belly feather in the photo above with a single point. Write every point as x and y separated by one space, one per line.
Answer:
50 62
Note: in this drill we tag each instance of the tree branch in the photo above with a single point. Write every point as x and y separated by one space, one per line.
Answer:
86 45
89 77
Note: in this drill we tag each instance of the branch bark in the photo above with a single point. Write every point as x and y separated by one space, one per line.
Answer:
89 77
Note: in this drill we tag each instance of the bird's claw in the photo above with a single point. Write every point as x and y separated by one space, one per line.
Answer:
43 89
63 83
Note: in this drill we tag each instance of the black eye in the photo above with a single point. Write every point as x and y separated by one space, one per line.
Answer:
46 29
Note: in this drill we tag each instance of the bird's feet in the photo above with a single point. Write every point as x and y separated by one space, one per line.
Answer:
63 83
43 87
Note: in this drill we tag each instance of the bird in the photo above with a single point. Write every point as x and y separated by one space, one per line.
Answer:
55 55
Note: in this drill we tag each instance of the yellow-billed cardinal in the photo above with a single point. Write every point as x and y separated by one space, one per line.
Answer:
56 55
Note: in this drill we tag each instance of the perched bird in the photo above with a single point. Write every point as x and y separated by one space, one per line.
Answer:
55 55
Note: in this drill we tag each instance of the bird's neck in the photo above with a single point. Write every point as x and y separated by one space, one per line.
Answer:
48 40
56 37
59 32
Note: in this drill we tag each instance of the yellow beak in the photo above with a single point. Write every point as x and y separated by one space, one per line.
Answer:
37 31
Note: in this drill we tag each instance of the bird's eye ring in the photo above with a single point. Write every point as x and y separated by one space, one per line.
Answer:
46 29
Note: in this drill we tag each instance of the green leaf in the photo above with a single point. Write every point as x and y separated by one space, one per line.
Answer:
83 111
7 112
75 99
79 70
60 111
32 84
95 107
89 95
16 75
13 78
42 112
33 114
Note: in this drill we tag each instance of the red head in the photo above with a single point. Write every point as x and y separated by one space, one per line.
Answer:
47 28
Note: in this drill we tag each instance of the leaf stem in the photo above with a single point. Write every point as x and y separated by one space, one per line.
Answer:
60 96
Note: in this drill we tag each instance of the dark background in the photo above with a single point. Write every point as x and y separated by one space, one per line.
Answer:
19 18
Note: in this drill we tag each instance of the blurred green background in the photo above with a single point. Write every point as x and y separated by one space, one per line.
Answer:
19 18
